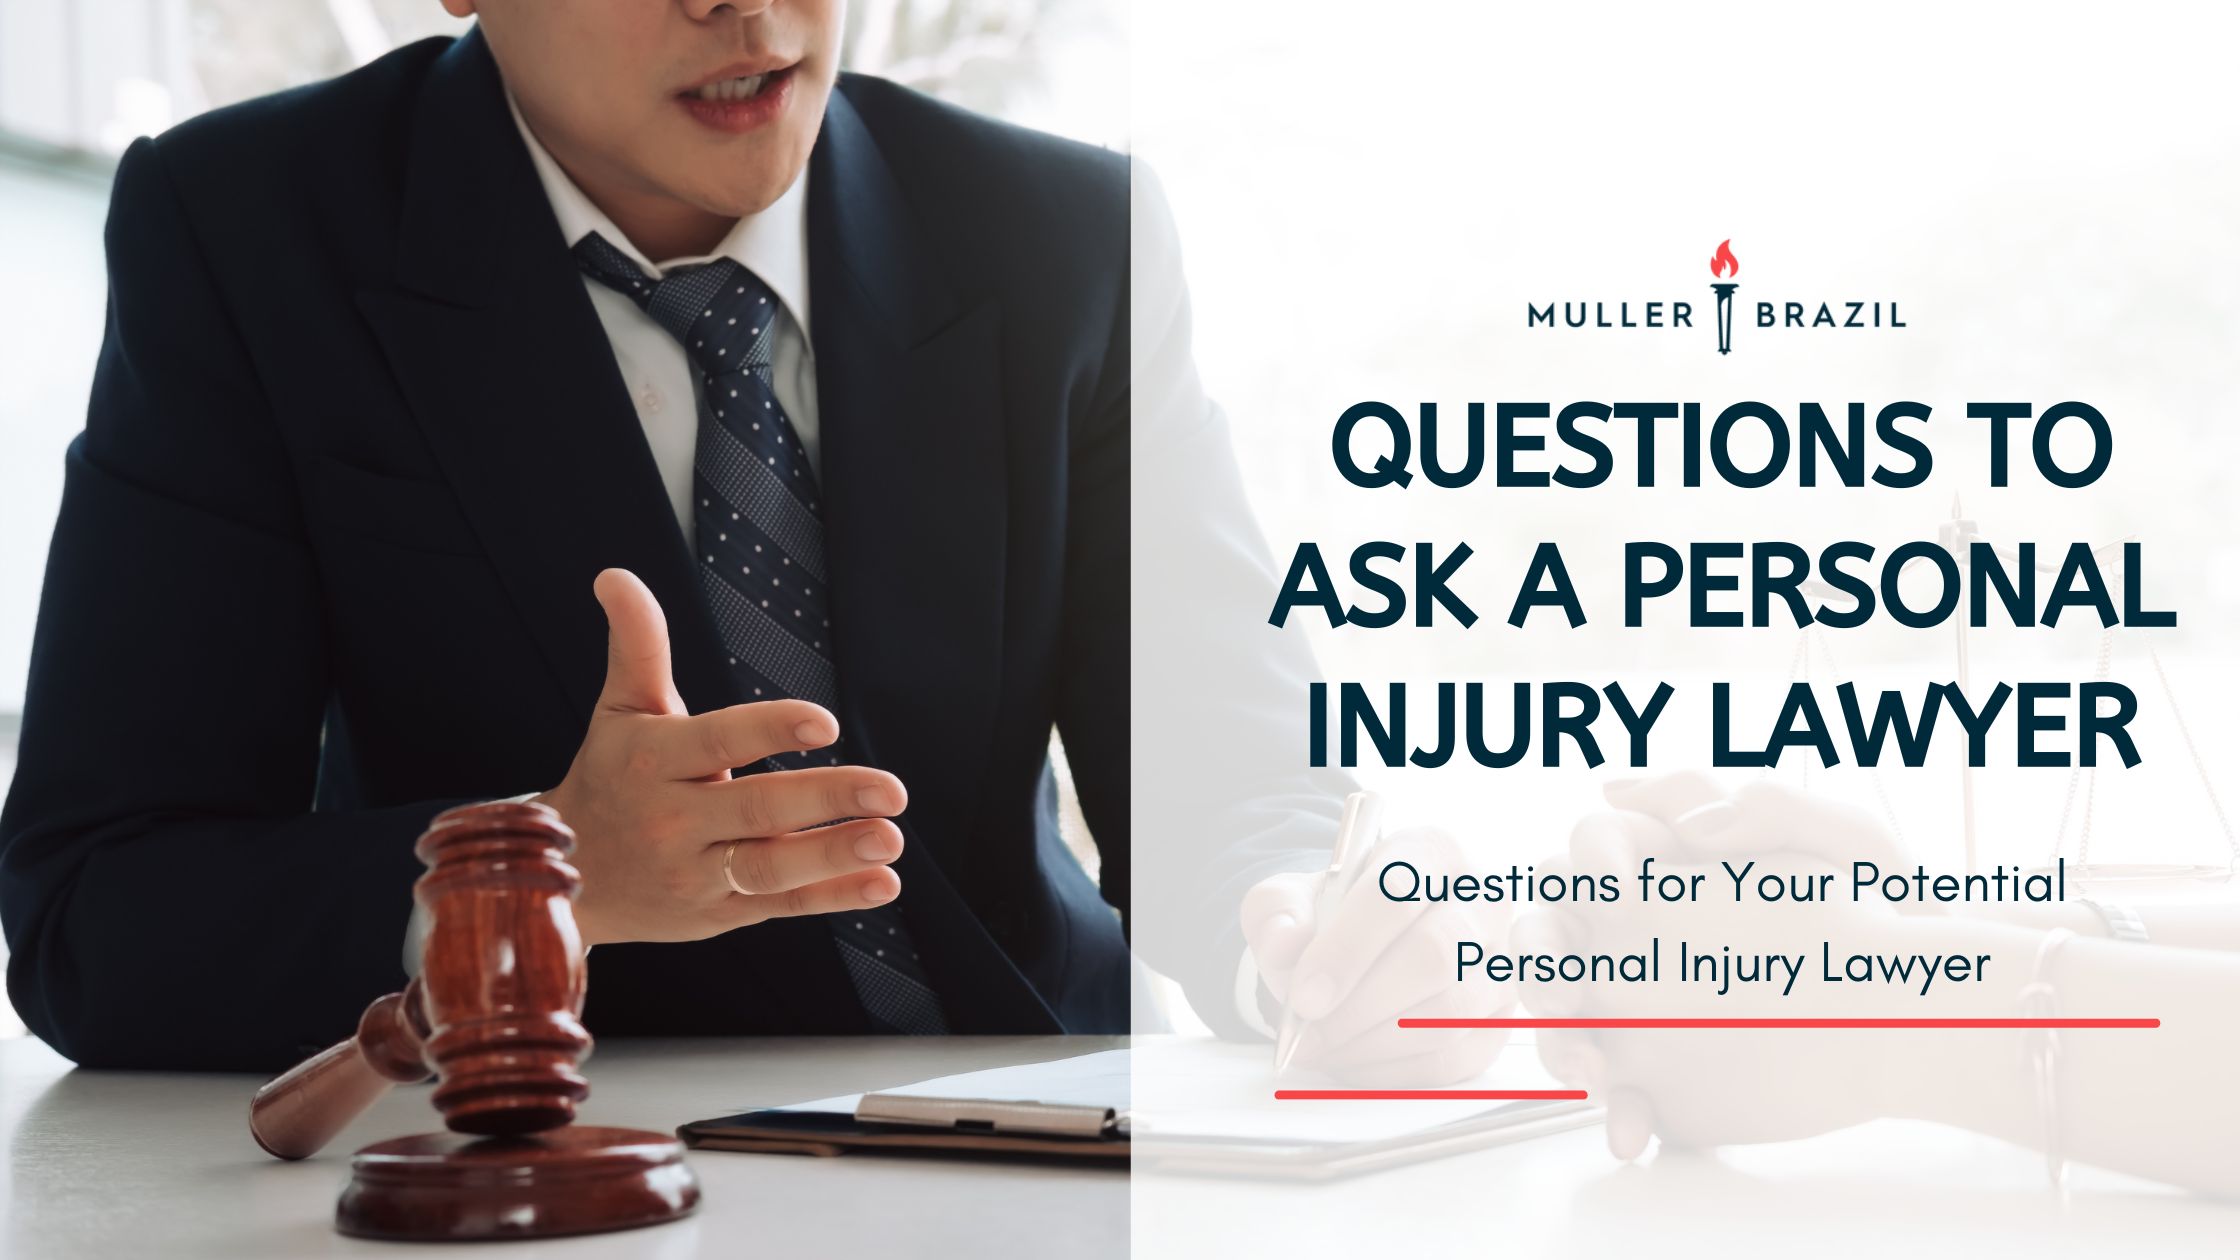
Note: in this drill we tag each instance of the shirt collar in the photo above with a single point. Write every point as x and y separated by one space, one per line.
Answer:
774 244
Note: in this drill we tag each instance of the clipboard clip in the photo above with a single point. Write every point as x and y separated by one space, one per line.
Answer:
987 1115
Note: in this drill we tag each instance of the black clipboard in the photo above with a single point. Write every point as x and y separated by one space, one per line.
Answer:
899 1124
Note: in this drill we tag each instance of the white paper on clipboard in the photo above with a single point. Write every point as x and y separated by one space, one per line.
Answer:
1198 1103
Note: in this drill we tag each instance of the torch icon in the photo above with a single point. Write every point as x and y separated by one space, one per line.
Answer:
1723 264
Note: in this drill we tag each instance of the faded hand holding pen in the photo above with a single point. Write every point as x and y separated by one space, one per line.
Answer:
1347 963
1360 829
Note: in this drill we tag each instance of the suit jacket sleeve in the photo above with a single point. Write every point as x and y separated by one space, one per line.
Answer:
1221 793
169 896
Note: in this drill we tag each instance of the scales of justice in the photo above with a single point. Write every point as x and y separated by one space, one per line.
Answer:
2130 878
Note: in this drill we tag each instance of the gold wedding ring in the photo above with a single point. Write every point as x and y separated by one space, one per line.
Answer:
728 877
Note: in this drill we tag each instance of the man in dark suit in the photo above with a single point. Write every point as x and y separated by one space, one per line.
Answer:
822 389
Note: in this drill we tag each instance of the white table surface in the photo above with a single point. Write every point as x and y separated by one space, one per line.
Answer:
115 1164
161 1164
1891 1190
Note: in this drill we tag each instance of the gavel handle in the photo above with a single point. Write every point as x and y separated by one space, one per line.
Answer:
300 1111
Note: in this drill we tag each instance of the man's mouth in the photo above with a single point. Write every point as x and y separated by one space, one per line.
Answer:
742 88
736 103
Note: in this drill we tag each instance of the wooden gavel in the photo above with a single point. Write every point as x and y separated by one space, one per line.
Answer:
298 1113
494 1009
495 1016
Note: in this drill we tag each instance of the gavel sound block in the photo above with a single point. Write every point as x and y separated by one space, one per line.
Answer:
494 1016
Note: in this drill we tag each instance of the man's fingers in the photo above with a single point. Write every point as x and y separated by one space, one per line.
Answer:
779 801
1632 1122
1777 817
1415 970
740 736
638 678
1688 801
1572 1056
875 887
1549 934
1761 816
1365 923
774 864
1611 843
1278 920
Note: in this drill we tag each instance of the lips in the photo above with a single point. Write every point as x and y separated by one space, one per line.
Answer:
743 87
739 98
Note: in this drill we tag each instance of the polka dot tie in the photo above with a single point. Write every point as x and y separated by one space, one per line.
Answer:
760 544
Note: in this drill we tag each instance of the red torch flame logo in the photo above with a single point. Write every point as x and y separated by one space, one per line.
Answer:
1723 263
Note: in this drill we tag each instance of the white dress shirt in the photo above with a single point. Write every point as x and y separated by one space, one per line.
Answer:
774 245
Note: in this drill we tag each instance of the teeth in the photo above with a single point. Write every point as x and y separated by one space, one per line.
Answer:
739 89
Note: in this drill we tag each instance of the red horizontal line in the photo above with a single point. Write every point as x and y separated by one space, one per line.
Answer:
1474 1095
1781 1023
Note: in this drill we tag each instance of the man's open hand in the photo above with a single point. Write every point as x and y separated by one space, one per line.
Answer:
653 804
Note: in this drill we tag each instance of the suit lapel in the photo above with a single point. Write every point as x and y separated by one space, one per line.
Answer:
911 415
914 457
503 361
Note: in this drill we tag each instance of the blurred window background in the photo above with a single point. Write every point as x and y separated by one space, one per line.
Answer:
80 79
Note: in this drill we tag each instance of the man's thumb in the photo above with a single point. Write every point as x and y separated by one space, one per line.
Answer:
638 678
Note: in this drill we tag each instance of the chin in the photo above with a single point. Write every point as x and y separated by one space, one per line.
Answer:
759 174
739 202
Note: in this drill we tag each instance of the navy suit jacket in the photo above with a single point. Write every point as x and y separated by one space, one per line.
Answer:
357 446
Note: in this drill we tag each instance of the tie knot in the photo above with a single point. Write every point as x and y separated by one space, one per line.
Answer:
720 312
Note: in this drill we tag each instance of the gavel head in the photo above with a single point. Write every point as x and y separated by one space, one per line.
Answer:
501 971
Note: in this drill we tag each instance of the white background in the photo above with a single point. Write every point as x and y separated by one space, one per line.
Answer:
1367 198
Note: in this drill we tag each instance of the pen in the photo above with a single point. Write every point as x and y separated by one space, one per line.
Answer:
1358 834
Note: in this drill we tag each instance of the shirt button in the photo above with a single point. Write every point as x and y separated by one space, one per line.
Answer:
649 400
